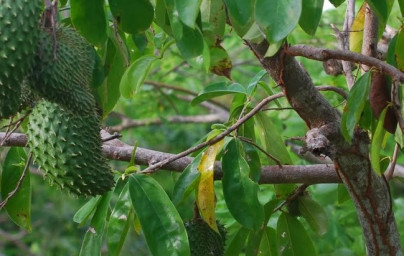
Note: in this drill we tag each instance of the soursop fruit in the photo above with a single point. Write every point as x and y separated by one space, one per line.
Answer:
203 240
64 75
19 33
67 147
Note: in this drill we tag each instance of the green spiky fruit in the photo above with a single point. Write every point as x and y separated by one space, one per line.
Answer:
19 30
203 240
27 98
64 75
67 147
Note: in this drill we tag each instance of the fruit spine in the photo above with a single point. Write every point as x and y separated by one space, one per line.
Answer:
62 70
67 147
19 31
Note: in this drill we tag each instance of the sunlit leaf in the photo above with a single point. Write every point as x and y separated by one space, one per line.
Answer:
220 62
285 18
187 181
119 222
356 34
218 89
399 51
189 40
241 15
270 137
134 76
292 238
18 207
161 223
240 192
86 210
213 19
89 19
92 242
133 16
188 11
252 85
205 196
377 140
357 98
311 14
314 214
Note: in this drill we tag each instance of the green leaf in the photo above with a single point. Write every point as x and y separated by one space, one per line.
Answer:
220 62
265 248
336 3
257 237
241 14
161 223
213 19
108 93
270 137
357 98
119 222
216 90
240 192
86 210
314 214
236 245
188 11
380 8
18 207
188 181
92 242
401 4
253 161
132 16
399 51
88 17
189 40
343 194
283 18
377 140
252 86
134 76
391 56
292 238
311 14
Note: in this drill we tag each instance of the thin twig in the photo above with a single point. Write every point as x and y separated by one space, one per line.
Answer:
390 172
8 132
298 191
154 167
112 137
12 193
249 141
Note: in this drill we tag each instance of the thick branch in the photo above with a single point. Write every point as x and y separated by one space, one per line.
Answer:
117 150
323 54
369 191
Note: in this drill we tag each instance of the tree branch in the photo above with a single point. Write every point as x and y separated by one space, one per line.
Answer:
369 191
128 123
117 150
323 54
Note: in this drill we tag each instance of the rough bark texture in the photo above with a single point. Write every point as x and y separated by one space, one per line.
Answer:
369 191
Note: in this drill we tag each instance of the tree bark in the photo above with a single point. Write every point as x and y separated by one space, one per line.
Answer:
369 192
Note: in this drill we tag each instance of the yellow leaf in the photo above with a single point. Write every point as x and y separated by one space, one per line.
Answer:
205 197
356 35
